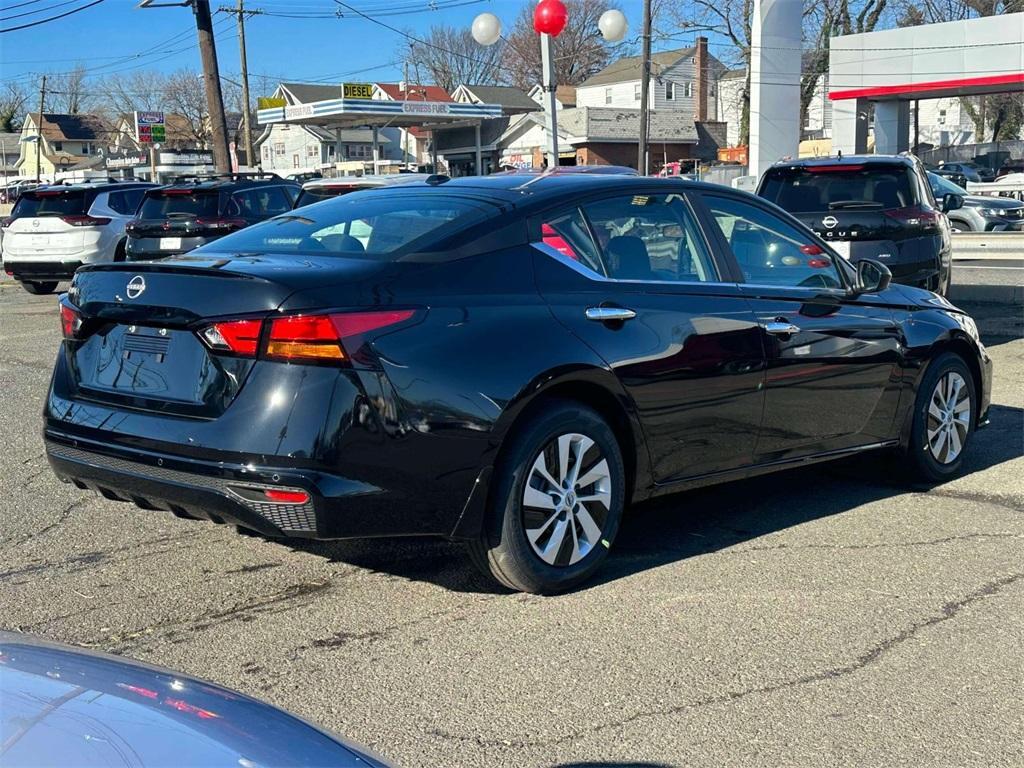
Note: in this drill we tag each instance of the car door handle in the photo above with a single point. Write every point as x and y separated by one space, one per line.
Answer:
781 327
609 314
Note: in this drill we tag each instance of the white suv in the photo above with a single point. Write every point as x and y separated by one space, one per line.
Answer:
55 229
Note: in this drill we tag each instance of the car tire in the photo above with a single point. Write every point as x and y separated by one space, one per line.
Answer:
39 288
940 431
549 546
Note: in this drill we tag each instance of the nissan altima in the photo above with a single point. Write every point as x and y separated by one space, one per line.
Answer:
509 362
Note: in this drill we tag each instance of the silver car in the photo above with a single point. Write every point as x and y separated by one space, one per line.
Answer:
55 229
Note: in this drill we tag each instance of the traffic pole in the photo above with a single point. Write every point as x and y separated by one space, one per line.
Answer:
211 78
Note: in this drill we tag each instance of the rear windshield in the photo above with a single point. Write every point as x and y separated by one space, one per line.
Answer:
828 188
51 203
317 194
373 226
161 205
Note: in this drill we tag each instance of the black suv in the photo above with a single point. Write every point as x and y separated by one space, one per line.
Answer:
873 206
195 210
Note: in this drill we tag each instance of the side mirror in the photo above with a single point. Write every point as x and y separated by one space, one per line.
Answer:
872 276
951 202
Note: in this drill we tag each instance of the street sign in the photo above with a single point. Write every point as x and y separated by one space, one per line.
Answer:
150 127
357 90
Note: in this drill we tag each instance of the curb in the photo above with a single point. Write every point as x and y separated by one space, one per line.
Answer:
987 294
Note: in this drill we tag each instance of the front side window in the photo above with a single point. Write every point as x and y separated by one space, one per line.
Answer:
771 251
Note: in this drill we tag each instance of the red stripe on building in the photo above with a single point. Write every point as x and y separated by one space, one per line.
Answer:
1016 78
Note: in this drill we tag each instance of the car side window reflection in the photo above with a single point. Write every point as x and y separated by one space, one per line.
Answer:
650 237
769 250
567 233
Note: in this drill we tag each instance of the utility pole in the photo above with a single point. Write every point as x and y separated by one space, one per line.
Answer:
645 84
405 97
211 76
240 13
39 126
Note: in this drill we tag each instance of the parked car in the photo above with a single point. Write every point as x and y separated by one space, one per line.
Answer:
10 193
65 706
955 176
980 213
317 190
505 361
873 206
968 171
1010 166
196 210
55 229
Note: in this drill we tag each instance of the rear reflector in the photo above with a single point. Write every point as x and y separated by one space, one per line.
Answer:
286 497
241 337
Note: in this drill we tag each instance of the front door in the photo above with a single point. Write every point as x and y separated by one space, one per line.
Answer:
634 278
833 359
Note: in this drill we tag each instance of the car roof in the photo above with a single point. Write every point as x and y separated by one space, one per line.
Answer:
97 185
512 188
804 162
227 181
367 180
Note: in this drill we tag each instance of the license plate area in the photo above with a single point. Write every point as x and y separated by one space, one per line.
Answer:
170 243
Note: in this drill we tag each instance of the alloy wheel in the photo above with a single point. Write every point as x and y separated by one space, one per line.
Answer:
566 499
949 417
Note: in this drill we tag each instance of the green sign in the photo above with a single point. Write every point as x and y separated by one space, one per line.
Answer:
159 133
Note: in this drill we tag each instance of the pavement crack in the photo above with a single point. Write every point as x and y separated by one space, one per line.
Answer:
62 516
879 545
870 657
981 498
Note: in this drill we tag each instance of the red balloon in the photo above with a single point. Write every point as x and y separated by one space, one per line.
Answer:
549 17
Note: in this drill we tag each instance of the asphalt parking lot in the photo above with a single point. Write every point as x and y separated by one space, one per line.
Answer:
827 616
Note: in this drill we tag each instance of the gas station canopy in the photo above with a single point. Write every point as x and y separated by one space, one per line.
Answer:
348 113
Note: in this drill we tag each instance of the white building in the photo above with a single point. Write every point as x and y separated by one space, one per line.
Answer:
729 104
677 80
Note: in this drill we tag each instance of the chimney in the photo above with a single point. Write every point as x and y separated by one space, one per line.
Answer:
701 112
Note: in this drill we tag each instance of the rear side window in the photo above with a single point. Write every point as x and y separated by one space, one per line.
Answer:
813 189
367 226
51 203
167 203
125 201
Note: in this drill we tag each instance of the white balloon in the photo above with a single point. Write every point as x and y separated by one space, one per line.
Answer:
486 29
613 25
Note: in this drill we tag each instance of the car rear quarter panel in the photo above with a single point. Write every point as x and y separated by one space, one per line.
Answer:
455 384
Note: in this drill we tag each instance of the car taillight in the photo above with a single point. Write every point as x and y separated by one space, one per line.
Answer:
286 497
834 168
85 220
322 337
241 337
70 321
221 224
914 216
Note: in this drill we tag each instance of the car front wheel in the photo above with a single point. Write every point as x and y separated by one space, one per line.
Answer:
557 501
39 288
943 420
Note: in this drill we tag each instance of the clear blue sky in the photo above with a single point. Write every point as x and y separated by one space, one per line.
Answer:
335 49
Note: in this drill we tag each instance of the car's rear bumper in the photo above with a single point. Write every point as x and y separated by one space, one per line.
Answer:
226 493
37 270
151 248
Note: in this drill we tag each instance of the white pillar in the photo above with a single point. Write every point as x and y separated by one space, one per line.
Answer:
850 126
547 55
479 155
376 150
774 83
892 127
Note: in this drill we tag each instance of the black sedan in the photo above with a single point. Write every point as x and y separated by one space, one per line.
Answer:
508 362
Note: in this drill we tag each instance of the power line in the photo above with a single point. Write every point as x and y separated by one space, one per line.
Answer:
51 18
39 10
20 5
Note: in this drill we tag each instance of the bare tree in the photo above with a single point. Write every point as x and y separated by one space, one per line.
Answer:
452 57
121 94
579 50
13 99
184 95
67 92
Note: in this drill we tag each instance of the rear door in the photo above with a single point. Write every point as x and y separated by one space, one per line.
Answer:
832 358
633 276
